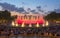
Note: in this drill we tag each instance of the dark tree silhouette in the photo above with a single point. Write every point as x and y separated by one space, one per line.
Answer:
5 16
53 16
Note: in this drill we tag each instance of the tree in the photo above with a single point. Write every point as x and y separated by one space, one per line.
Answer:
5 16
53 16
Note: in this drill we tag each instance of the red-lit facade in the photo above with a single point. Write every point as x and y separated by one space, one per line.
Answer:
30 19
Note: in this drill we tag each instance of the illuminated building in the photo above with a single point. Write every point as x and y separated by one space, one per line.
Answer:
30 20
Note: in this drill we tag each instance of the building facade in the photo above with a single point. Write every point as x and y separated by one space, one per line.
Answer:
29 20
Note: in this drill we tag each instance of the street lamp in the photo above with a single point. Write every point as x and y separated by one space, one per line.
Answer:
30 25
16 25
43 25
13 23
37 25
47 23
22 24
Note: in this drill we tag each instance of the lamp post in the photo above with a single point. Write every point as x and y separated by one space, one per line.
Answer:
37 25
22 24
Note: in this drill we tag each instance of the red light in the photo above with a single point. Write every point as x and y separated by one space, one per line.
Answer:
19 21
40 21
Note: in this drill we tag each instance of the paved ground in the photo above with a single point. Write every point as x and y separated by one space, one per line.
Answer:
27 36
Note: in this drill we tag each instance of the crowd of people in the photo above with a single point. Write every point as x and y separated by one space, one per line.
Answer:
53 30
